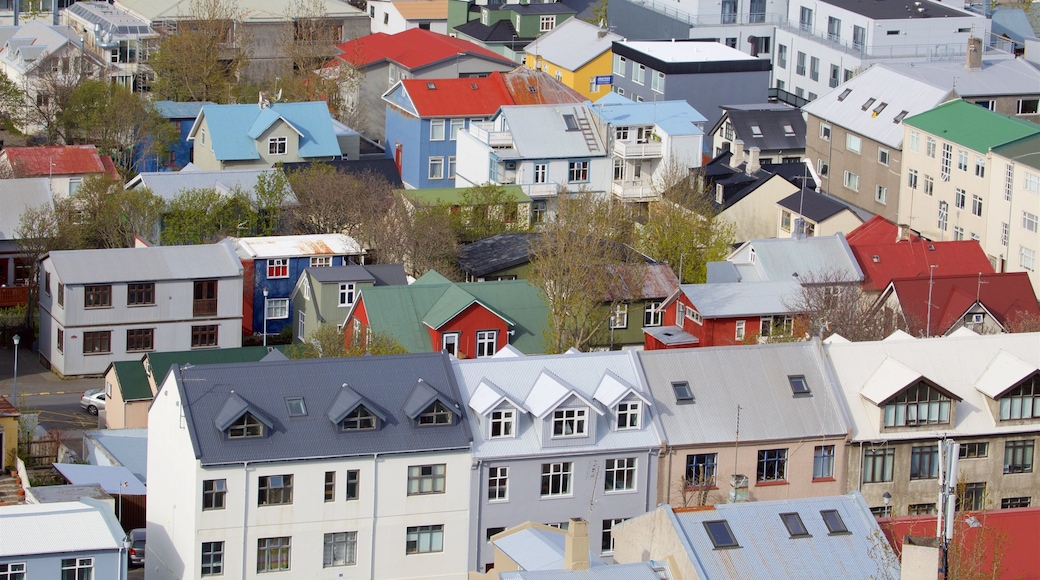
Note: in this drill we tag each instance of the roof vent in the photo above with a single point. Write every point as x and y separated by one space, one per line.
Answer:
876 258
931 247
867 104
431 86
844 94
900 117
473 86
532 88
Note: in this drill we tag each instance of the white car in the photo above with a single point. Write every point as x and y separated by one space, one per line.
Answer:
93 401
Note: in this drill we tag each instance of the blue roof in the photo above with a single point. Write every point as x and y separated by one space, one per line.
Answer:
674 117
126 447
177 110
235 128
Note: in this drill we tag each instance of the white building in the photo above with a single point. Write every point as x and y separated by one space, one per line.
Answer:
328 468
1015 209
393 16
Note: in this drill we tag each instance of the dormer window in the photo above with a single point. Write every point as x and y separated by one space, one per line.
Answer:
360 419
246 426
570 422
920 404
627 416
502 423
436 414
1022 402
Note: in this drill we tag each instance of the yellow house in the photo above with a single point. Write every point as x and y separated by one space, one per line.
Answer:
575 53
8 433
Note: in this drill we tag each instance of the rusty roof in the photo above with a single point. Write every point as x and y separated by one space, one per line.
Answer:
422 9
54 160
531 87
7 409
659 281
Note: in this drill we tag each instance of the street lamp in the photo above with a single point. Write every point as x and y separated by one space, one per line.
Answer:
887 497
265 316
16 339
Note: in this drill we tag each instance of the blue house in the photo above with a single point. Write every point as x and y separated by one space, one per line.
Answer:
182 115
275 263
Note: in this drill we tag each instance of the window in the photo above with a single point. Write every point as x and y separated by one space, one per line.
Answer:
212 558
657 82
921 509
877 464
794 525
919 404
452 167
823 462
814 68
14 571
436 168
729 11
424 539
330 486
139 339
881 194
77 568
974 497
619 319
277 308
652 314
277 145
620 474
976 205
456 125
272 554
205 298
498 483
929 184
911 178
426 479
851 181
700 469
859 37
346 294
340 549
607 536
61 340
502 423
825 131
799 386
436 129
1026 258
61 294
619 65
852 142
275 490
359 419
943 213
834 29
834 523
353 484
546 22
1018 456
772 465
1014 502
833 80
944 168
638 74
487 342
578 171
962 160
974 450
739 327
682 391
915 141
959 198
213 493
321 261
278 268
720 534
1030 221
136 294
924 462
569 422
1022 402
97 342
822 168
436 414
781 56
1032 183
799 64
556 478
1027 106
930 147
628 416
204 335
97 296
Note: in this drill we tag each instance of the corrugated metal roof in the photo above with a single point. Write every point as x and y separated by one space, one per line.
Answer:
7 409
179 110
19 195
126 447
772 123
658 281
742 298
955 364
780 259
998 76
539 131
264 247
264 11
113 479
883 262
637 571
133 381
386 381
451 97
54 160
413 49
157 263
1006 296
232 128
678 117
578 374
170 184
66 527
755 377
538 547
1022 150
572 44
531 87
379 274
971 126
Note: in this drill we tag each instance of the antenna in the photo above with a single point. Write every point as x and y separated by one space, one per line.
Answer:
736 442
978 287
929 305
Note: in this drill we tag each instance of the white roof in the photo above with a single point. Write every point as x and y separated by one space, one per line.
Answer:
249 10
884 85
889 378
742 298
158 263
900 335
487 396
612 390
536 548
572 44
998 76
671 51
296 246
63 527
1004 371
964 331
955 364
540 131
114 479
18 195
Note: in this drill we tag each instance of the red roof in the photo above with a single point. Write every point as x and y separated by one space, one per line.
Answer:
531 87
54 160
110 168
883 262
457 97
1004 295
876 230
414 48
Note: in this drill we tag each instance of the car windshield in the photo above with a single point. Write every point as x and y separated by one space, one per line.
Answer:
139 544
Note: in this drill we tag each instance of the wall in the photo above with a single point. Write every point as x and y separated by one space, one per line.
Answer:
406 131
634 20
9 428
754 216
472 319
107 563
653 537
1000 211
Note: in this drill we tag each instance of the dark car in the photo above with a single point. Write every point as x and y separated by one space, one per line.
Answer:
136 541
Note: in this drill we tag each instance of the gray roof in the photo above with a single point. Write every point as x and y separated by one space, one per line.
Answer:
572 44
180 110
544 8
819 206
779 259
126 447
1012 23
156 264
59 493
754 377
636 571
18 195
998 76
380 274
169 184
538 548
539 131
496 253
899 9
113 479
386 382
772 123
742 298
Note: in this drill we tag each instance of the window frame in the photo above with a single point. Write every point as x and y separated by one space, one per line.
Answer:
97 296
436 168
429 479
505 421
140 339
274 554
1018 456
498 483
211 561
274 490
277 268
348 542
487 343
772 466
347 294
823 462
628 415
77 566
557 479
278 146
578 171
577 418
882 464
98 342
276 305
214 493
205 336
619 474
138 293
415 535
437 130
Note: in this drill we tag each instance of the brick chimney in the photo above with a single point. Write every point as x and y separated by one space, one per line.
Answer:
576 548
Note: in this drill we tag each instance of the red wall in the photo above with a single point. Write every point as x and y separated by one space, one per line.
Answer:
248 280
360 314
712 331
475 317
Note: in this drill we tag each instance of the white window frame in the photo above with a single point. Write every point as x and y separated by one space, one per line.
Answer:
915 141
436 169
436 129
853 143
825 131
980 167
628 415
277 308
505 421
619 318
424 539
348 543
882 156
657 81
557 476
639 74
499 476
321 261
347 294
576 418
653 315
546 22
81 567
1030 221
881 194
619 475
578 170
14 571
618 66
1031 183
450 343
487 343
740 330
452 167
277 264
976 205
456 125
1027 258
851 181
278 146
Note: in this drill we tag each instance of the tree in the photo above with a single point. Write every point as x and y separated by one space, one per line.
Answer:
108 216
598 14
50 85
40 230
421 237
330 202
830 302
201 56
327 341
201 216
574 262
271 190
487 210
308 43
13 102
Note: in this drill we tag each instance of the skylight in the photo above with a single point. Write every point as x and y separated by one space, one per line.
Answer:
571 122
296 406
720 534
867 104
788 131
844 94
683 392
876 258
879 108
798 384
756 131
899 117
473 86
794 525
431 86
835 525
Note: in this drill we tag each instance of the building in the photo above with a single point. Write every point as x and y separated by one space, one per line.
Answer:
555 438
777 130
811 213
705 74
323 295
507 27
784 259
170 184
500 257
1015 172
18 195
118 38
181 153
64 166
906 395
272 266
821 45
249 136
393 16
577 53
360 462
103 306
8 432
513 206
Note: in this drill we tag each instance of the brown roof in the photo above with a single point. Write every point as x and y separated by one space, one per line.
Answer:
659 281
422 9
7 409
54 160
546 89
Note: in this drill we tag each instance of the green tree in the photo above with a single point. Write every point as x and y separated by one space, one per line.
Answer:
487 210
201 216
327 341
40 230
108 216
272 191
13 101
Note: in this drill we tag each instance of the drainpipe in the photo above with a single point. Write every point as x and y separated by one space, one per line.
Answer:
859 480
649 462
245 515
475 561
375 503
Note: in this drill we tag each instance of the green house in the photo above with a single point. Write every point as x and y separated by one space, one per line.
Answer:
505 28
326 295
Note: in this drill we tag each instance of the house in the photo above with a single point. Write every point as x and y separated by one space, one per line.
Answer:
1016 172
812 213
8 433
500 257
127 448
506 28
102 306
273 265
77 539
65 166
467 320
983 302
854 136
393 16
705 74
311 464
777 130
383 59
813 537
514 209
384 169
654 283
651 144
116 481
17 196
844 37
784 259
131 385
322 295
578 53
936 195
244 136
118 38
906 395
555 438
697 394
532 546
170 184
181 153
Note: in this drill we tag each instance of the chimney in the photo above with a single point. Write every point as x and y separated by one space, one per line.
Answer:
738 153
752 163
576 548
602 29
920 558
264 102
974 61
903 233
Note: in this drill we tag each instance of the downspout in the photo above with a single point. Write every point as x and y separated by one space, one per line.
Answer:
649 462
859 480
475 561
245 514
668 452
375 503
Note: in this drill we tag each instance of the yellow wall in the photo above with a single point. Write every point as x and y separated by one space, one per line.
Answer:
580 79
10 429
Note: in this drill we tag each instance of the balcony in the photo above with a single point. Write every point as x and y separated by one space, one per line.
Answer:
630 150
712 19
14 296
540 190
486 134
633 190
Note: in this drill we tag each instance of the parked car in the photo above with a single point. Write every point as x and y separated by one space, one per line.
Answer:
136 540
93 401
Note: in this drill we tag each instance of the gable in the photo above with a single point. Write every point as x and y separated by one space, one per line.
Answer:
1004 372
893 377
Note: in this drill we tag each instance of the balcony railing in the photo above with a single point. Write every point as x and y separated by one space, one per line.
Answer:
633 190
485 133
712 19
857 49
540 190
204 307
629 150
14 296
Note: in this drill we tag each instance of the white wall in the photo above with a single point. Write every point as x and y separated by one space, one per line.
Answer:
1001 211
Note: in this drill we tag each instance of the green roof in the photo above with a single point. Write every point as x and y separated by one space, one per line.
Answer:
132 380
454 195
971 126
403 312
162 361
1025 150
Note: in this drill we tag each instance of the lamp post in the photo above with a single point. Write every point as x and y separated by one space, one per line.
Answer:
16 339
887 497
265 316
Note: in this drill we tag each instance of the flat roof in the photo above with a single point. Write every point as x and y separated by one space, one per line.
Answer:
686 51
901 9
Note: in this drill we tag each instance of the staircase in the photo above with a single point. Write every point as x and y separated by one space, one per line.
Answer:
9 491
586 131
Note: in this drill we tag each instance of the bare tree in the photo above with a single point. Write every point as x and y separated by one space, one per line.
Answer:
698 489
49 86
40 230
327 201
308 43
830 302
422 237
